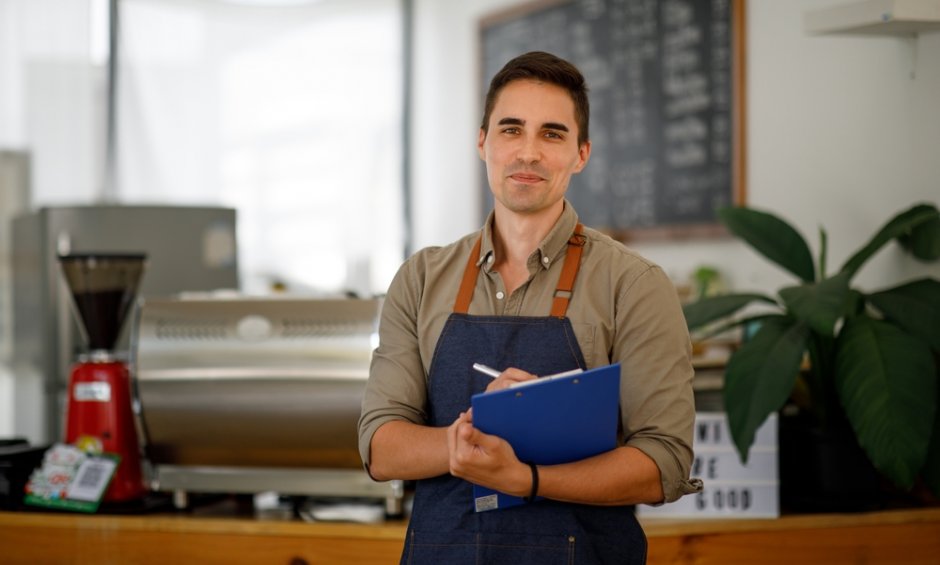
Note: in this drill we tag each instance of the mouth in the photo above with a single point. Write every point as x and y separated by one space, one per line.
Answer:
526 178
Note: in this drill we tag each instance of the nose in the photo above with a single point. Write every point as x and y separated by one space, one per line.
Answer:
529 150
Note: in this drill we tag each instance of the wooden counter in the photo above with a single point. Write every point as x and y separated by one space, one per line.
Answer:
36 538
891 537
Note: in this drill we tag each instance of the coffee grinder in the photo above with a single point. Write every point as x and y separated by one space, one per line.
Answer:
99 416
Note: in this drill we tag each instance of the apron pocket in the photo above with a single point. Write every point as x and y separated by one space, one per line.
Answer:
584 334
440 547
468 547
521 549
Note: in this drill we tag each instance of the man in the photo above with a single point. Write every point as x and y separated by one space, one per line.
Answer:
490 297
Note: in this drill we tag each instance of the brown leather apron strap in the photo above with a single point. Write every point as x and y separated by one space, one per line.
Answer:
569 272
469 281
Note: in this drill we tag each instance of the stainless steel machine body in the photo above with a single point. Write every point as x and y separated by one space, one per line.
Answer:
249 395
189 248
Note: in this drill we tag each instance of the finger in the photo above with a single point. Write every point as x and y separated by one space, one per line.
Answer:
508 377
474 437
517 375
465 450
464 435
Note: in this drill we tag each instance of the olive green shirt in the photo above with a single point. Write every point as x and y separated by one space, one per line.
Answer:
623 309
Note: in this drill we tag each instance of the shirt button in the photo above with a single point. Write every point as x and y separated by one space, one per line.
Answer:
545 260
489 259
500 295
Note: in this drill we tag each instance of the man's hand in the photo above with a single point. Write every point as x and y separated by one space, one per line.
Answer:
508 377
485 459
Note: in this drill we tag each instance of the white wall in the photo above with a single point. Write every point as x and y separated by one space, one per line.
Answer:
842 131
445 119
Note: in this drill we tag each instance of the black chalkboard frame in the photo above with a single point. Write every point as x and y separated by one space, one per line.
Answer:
737 165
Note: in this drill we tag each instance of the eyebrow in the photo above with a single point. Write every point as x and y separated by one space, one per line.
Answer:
519 122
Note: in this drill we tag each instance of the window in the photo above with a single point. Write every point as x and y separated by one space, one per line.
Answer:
289 112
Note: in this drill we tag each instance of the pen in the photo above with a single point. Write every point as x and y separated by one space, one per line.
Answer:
488 371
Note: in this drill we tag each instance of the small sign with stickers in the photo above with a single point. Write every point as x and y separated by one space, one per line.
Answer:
71 479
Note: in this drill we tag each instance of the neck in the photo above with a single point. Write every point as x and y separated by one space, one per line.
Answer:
516 236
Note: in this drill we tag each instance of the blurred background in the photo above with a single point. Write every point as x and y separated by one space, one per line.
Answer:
343 132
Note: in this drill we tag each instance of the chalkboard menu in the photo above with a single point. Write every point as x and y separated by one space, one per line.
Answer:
666 105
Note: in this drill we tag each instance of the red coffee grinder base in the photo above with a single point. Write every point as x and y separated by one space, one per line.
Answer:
100 420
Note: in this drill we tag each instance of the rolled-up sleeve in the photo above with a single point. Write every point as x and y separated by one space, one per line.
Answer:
397 385
654 349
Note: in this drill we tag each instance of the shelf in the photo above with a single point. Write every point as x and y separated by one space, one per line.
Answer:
876 17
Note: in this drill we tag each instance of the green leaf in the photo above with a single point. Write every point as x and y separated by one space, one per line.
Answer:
915 307
924 240
823 252
904 224
887 383
773 238
824 402
856 303
713 308
761 375
820 304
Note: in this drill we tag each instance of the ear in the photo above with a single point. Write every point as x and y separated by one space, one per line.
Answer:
480 141
584 154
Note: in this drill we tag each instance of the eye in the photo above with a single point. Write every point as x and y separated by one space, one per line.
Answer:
511 130
552 134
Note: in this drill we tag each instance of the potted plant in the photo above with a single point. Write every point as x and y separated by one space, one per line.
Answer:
841 354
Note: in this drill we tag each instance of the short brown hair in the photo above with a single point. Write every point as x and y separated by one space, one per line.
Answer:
545 67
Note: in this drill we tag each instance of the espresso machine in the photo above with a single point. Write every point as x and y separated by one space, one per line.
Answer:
99 416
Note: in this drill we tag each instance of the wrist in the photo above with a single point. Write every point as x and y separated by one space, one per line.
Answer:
534 483
521 480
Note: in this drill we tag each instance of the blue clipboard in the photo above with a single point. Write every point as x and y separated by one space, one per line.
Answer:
555 421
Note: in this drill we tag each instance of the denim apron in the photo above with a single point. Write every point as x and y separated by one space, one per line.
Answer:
444 529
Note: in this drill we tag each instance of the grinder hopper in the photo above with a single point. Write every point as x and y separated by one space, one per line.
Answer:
104 286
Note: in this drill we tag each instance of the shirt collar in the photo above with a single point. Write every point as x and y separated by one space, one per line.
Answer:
486 246
555 243
551 247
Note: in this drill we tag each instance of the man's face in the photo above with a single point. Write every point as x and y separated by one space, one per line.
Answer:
531 149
